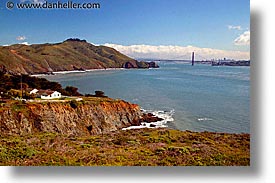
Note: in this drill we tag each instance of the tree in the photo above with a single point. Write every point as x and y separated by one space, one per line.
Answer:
99 94
24 86
72 91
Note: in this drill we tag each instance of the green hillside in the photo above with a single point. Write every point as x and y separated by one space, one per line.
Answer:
72 54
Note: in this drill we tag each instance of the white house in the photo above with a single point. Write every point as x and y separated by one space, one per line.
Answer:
48 94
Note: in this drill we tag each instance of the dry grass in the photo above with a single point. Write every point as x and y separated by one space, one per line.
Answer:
143 147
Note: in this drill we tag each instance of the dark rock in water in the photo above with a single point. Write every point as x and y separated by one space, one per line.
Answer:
153 65
146 65
153 125
149 118
129 65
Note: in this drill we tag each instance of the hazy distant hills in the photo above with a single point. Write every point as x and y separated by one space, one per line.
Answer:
72 54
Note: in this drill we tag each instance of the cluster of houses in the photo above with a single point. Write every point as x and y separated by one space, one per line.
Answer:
45 94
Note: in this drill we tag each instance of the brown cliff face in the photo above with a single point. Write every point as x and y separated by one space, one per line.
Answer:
83 118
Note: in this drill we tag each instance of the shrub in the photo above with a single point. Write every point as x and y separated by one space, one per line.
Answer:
74 104
99 94
72 91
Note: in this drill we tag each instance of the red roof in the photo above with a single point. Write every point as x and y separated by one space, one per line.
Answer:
45 92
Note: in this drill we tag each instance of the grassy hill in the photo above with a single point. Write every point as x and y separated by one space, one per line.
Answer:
72 54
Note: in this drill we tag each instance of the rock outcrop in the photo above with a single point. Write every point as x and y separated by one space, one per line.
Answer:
153 65
83 118
149 118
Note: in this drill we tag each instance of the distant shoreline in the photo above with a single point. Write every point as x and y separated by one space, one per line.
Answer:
83 71
76 71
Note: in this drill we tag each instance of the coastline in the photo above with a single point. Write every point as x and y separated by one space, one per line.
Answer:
206 120
86 142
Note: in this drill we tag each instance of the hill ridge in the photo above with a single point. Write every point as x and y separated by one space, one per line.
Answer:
71 54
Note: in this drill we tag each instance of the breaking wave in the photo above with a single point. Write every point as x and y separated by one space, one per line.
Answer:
205 119
167 117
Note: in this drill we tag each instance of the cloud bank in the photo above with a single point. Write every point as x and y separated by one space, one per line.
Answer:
177 52
24 43
243 39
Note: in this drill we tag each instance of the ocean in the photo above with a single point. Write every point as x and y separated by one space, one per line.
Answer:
197 98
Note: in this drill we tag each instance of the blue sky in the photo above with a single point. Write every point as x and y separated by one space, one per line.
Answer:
215 24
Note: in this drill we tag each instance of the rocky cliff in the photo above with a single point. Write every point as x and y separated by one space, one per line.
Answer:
95 116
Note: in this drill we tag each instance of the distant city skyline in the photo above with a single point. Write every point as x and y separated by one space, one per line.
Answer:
141 29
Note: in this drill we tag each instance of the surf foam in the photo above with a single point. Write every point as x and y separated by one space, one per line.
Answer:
167 116
205 119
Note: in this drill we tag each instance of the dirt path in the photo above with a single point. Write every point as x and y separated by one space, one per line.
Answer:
20 56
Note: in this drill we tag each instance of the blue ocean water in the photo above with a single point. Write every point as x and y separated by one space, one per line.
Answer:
198 98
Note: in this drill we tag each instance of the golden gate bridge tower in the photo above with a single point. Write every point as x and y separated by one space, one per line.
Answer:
193 58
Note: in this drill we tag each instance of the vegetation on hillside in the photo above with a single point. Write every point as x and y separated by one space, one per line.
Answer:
72 54
141 147
10 85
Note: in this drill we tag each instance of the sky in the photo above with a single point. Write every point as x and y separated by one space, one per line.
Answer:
161 29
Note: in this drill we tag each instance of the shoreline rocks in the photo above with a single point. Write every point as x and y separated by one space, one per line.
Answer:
149 118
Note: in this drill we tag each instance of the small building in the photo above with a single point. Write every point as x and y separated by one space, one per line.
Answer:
49 94
44 94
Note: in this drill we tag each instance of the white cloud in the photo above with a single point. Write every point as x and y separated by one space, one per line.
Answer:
176 52
243 39
21 38
234 27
